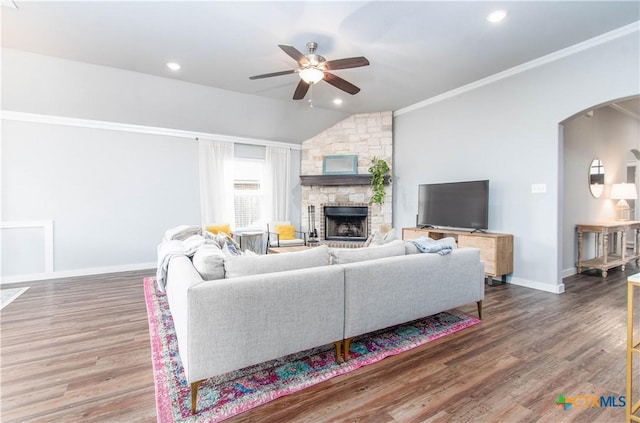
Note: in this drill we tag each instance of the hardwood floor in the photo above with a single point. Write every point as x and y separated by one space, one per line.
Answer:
78 350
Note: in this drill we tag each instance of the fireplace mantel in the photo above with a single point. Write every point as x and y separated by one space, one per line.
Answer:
334 180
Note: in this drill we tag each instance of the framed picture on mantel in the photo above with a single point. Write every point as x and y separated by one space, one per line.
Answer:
340 165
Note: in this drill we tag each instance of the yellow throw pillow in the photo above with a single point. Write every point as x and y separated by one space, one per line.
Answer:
214 229
285 232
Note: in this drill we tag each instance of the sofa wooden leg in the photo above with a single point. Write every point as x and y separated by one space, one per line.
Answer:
347 344
480 309
338 345
194 395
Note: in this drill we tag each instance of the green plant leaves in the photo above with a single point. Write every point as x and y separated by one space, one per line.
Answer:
379 169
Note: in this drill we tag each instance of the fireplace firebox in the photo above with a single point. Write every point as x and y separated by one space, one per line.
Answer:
346 223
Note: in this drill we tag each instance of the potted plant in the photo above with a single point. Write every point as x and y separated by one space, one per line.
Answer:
379 170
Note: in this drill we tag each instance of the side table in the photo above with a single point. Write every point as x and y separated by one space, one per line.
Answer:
631 407
604 259
250 240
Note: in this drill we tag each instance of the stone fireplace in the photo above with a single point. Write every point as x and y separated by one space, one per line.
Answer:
348 222
365 135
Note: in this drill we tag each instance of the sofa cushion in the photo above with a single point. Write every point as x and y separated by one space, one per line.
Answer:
253 265
352 255
209 262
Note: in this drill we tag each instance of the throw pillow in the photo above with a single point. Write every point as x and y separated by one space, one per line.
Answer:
258 264
209 262
222 238
215 229
381 237
285 232
352 255
230 250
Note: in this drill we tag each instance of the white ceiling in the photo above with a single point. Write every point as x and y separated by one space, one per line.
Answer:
417 49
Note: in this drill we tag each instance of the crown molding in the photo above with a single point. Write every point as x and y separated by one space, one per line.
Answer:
132 128
552 57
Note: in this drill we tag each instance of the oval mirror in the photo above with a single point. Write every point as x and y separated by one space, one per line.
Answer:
596 177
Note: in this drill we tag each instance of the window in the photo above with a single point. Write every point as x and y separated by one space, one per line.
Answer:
248 193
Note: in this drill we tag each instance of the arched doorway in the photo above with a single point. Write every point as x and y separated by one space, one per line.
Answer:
607 132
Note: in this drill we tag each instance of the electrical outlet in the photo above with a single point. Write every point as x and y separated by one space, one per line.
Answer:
538 188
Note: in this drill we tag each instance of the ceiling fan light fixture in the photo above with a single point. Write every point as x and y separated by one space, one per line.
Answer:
311 75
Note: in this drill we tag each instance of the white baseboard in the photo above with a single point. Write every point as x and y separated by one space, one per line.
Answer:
78 272
569 272
555 289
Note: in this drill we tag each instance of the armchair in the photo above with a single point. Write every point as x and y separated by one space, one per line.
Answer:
283 234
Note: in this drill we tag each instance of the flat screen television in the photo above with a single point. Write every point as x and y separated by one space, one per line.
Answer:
463 205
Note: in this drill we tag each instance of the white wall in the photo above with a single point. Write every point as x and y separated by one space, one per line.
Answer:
111 195
608 135
46 85
508 132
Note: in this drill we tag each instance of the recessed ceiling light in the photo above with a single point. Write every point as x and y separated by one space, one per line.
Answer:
337 101
173 66
497 16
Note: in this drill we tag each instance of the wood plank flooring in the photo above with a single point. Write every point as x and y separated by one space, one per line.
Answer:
78 350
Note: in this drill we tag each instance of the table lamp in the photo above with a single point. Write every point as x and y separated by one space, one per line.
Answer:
623 192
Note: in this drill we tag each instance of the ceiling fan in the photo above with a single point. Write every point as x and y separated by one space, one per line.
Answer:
314 68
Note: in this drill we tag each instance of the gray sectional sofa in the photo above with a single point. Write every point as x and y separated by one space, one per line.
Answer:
269 306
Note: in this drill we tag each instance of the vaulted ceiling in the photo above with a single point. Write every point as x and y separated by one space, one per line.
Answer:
416 49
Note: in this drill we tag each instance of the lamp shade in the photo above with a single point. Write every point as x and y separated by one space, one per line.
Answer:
311 75
624 191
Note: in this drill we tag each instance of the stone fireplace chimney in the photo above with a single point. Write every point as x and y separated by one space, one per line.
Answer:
365 135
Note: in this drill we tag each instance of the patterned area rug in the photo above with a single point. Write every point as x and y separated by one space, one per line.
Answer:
225 396
8 295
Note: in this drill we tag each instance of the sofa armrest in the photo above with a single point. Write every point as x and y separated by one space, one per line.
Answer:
181 275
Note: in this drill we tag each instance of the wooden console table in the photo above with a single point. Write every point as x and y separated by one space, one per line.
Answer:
496 250
605 260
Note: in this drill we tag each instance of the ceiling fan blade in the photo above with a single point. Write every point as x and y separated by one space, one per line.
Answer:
340 83
301 90
269 75
295 54
352 62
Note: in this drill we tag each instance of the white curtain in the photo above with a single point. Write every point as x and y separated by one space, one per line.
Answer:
277 184
216 182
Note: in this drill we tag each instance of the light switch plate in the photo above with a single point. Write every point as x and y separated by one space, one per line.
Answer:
538 188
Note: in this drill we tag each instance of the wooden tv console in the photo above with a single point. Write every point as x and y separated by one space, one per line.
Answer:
496 250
